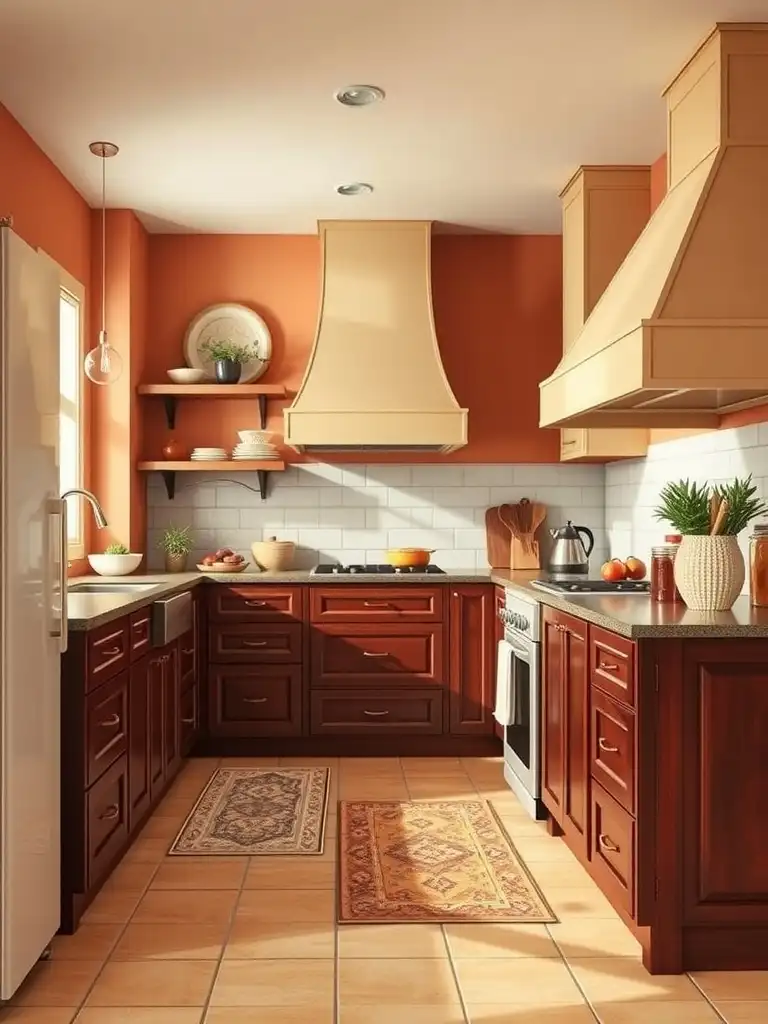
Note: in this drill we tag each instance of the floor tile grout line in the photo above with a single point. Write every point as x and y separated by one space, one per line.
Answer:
455 973
696 985
576 981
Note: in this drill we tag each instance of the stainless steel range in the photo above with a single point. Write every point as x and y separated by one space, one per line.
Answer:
568 585
519 656
376 570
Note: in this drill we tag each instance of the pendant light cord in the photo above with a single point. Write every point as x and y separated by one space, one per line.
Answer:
103 338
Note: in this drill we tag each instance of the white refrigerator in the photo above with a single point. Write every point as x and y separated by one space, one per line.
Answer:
32 608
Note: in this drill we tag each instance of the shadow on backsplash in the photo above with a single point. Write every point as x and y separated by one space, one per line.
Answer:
354 513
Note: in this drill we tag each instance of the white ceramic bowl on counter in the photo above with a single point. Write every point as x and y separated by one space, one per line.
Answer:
185 375
115 565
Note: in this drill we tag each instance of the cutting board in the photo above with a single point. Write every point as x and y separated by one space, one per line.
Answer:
496 539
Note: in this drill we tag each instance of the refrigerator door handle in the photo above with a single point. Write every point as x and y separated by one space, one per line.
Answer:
60 629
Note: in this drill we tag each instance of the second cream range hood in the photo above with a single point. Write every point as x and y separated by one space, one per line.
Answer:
680 335
375 380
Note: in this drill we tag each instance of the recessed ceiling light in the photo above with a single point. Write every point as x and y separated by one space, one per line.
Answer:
354 188
359 95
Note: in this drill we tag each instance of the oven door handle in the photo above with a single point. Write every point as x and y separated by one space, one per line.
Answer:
521 652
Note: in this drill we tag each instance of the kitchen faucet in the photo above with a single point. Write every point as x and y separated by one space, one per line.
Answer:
93 501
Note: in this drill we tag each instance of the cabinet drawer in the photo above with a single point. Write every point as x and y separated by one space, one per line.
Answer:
259 642
140 633
612 849
187 660
253 603
106 820
349 602
612 736
107 652
106 736
255 700
383 655
189 720
351 712
612 664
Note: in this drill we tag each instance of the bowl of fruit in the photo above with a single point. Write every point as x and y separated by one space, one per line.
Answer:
223 560
617 570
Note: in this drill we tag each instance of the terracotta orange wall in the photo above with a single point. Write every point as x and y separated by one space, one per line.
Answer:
497 302
116 427
49 213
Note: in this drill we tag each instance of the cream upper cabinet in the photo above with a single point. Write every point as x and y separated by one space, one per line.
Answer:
604 211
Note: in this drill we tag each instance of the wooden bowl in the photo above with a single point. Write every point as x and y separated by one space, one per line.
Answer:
223 567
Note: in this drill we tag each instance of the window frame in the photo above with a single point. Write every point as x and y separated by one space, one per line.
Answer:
70 287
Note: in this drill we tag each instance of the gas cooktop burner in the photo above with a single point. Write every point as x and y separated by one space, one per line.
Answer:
376 570
593 586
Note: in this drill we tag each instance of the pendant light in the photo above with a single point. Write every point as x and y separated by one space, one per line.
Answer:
103 364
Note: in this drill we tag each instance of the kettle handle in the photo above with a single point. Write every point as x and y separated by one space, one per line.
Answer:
590 536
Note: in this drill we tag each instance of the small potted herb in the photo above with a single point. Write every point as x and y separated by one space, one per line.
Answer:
709 566
117 560
228 358
176 542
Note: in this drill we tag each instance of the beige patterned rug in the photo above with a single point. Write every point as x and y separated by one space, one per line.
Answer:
441 861
258 811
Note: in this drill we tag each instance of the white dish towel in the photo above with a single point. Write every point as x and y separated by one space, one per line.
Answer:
503 711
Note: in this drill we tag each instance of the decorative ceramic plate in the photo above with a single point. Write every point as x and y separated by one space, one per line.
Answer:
223 567
228 321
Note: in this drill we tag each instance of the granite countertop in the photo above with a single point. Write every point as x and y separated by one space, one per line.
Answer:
637 617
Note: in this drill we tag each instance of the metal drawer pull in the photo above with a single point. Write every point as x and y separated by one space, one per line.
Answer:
255 604
606 666
108 723
376 604
109 651
375 654
375 714
187 721
188 650
254 643
111 812
607 843
603 743
254 700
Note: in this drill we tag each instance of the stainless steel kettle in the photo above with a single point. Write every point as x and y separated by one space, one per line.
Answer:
569 555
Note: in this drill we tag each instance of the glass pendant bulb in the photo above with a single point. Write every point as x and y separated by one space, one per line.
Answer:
103 364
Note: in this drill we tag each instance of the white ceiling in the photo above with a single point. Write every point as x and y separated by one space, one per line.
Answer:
226 122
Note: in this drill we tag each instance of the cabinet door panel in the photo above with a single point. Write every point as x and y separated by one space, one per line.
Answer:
139 790
357 712
255 642
377 654
472 659
107 726
107 820
253 603
255 700
553 714
156 724
612 852
577 727
190 720
171 716
612 744
390 603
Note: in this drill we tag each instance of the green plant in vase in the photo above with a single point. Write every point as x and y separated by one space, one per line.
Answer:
176 542
116 549
709 567
228 358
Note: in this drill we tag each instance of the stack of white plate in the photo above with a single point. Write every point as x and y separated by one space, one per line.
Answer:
209 454
255 450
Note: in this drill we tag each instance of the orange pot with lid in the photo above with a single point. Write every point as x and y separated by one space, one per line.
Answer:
408 557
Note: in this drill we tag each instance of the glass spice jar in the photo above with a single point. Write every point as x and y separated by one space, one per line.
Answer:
758 566
663 586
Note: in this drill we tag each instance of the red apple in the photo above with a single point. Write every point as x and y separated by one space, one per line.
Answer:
613 571
232 559
209 560
635 568
222 552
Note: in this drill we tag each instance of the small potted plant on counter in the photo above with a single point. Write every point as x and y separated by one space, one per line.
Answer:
117 560
709 566
176 542
228 358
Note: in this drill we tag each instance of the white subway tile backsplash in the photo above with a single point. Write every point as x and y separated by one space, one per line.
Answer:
353 513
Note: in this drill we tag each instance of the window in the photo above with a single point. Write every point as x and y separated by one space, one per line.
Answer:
71 305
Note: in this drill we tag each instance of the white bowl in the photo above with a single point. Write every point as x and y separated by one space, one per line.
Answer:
185 375
254 436
114 565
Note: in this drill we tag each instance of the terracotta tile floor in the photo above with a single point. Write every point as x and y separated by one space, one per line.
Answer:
233 941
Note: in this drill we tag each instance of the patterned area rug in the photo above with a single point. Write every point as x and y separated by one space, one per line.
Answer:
258 811
442 861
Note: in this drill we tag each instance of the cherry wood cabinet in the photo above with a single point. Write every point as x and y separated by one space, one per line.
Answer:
472 659
255 700
565 723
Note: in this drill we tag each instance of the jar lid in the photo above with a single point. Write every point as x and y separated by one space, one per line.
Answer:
760 530
674 538
664 550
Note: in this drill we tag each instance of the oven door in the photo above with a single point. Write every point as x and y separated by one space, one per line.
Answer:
521 739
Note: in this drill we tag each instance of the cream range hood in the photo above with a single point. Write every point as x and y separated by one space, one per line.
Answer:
680 335
375 380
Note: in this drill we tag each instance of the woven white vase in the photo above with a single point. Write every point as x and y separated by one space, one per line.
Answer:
709 572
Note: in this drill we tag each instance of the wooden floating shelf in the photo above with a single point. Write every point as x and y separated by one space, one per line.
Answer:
169 469
171 393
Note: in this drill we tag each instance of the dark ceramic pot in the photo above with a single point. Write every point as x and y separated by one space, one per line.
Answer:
228 371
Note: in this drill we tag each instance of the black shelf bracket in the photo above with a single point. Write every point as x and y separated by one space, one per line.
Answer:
263 476
263 413
169 401
169 479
